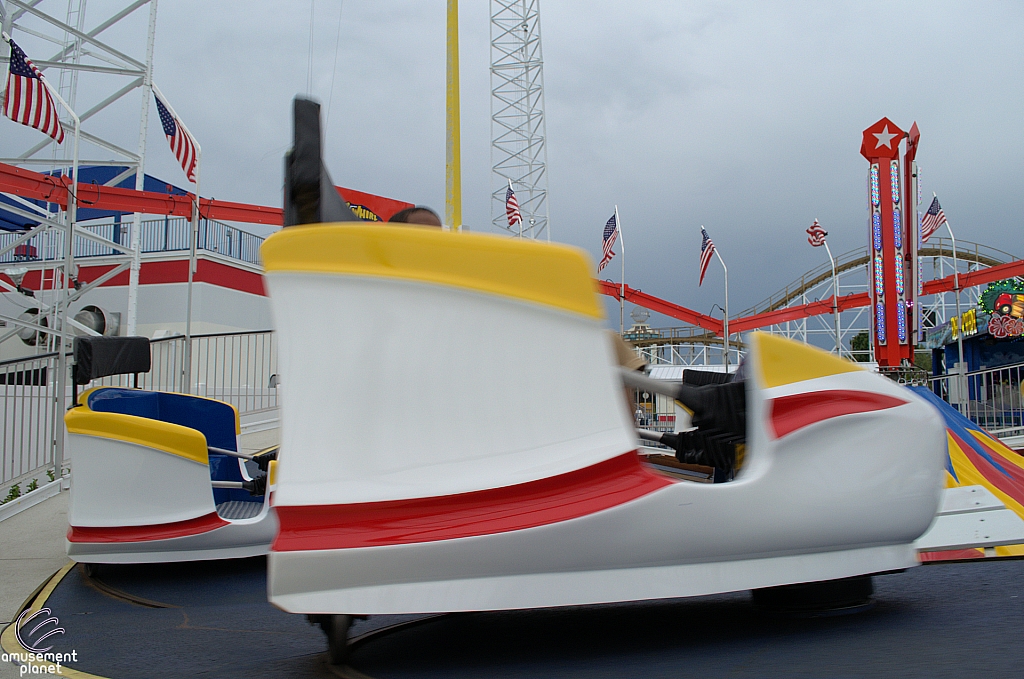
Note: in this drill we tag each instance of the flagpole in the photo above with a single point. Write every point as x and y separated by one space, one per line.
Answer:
622 272
959 318
69 262
194 228
725 321
140 177
835 298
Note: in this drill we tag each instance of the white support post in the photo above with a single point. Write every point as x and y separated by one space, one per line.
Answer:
622 272
835 299
194 228
725 320
140 178
962 379
187 367
62 295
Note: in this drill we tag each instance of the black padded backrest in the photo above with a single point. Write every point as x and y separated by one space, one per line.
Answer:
97 357
309 193
698 378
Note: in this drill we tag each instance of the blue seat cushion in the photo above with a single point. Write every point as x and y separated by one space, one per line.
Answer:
216 420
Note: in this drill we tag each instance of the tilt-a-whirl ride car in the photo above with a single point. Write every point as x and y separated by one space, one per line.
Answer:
158 476
513 479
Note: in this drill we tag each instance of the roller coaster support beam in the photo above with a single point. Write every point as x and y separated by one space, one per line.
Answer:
934 287
612 289
34 185
819 308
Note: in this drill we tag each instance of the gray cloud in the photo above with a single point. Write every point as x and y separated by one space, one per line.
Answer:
743 116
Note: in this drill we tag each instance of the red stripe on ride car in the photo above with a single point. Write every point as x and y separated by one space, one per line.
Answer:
160 531
789 413
485 512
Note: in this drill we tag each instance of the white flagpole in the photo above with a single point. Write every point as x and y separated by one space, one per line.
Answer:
622 272
725 320
69 262
959 322
140 177
835 298
194 228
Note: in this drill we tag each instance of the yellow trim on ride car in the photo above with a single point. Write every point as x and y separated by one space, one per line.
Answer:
272 473
544 273
783 361
164 436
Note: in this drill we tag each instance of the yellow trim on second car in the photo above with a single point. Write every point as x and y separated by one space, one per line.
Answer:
783 361
544 273
169 438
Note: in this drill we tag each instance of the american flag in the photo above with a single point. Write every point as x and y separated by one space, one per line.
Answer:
707 248
611 232
816 234
182 144
512 207
933 219
28 101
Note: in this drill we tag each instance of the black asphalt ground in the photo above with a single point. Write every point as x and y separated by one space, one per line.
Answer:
212 620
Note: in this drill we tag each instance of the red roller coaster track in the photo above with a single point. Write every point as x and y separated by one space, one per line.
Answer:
793 313
33 185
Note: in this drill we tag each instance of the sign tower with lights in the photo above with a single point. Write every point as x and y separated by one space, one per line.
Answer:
892 238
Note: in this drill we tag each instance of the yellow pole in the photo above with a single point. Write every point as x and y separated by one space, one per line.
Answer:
453 159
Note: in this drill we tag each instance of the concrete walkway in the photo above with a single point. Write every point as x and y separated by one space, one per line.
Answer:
31 550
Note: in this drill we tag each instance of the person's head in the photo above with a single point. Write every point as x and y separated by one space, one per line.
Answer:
420 214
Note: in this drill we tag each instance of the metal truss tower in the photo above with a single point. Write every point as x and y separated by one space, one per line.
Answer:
518 152
59 27
79 51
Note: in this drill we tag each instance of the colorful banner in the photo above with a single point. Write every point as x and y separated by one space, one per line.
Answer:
370 207
976 458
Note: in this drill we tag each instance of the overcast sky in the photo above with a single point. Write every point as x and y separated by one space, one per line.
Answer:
745 117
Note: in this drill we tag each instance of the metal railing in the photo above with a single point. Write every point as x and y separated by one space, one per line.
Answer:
238 368
27 424
906 374
167 234
992 397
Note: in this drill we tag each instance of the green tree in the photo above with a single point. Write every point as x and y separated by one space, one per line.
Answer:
860 346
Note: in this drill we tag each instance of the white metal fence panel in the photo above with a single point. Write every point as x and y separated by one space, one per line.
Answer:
28 416
239 368
992 397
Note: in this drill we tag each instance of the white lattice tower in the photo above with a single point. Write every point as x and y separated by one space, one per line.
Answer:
518 132
79 50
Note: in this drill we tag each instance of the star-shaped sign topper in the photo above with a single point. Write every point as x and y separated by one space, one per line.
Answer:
882 140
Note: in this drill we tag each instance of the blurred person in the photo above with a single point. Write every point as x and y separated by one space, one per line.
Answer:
419 214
